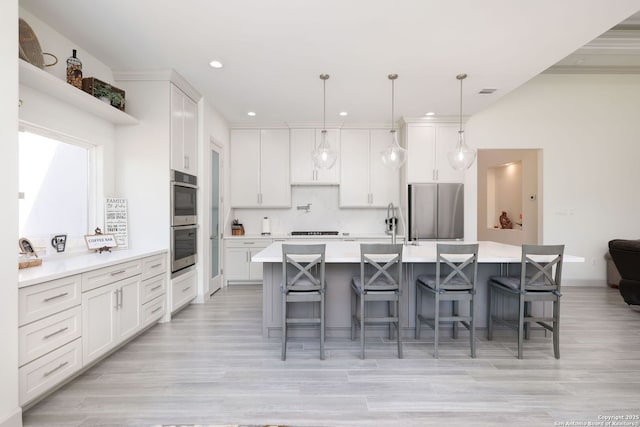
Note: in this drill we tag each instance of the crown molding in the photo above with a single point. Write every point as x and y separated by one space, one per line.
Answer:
582 69
433 119
170 75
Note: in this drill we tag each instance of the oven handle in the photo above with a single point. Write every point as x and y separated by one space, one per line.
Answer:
183 184
185 227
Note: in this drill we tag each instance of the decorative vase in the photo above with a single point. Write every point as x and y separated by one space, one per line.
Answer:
74 71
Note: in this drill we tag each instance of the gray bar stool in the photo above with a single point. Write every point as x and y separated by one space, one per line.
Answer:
302 282
379 280
539 281
454 281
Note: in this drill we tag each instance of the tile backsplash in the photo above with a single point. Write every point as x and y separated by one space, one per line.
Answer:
324 214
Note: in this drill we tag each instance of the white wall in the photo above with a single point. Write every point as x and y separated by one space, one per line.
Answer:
10 414
52 41
49 113
588 129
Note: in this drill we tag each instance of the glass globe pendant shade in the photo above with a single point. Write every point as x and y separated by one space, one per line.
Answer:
324 157
394 156
462 157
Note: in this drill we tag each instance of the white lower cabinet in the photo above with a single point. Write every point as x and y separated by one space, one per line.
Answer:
153 310
238 266
111 314
183 289
46 372
39 338
66 324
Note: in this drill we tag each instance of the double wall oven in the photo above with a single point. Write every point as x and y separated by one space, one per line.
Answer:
184 221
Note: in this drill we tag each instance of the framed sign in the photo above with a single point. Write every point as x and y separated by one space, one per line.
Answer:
100 242
115 220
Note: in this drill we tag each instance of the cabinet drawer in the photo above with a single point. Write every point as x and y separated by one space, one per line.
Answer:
152 288
48 371
247 244
38 301
154 265
183 289
153 310
104 276
40 337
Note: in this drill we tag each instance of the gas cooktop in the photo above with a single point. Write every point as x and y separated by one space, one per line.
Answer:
314 233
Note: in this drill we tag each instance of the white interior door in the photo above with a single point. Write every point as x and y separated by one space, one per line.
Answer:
215 226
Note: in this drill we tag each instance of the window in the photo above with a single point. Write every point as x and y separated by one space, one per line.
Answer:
54 191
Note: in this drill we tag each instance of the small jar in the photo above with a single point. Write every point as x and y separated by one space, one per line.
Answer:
74 71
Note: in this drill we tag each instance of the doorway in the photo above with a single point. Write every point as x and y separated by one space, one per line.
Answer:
510 196
215 210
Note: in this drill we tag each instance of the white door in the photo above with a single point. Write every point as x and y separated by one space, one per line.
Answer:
421 162
129 319
215 219
190 135
98 321
332 175
244 171
236 264
354 171
177 129
275 186
384 181
302 145
447 140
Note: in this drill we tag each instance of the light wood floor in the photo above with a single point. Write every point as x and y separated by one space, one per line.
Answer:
210 365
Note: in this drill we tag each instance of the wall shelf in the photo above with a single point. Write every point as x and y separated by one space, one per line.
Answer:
44 82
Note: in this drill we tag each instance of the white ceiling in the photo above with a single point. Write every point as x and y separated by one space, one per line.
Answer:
274 50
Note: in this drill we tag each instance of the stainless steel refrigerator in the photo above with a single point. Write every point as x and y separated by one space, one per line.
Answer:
436 211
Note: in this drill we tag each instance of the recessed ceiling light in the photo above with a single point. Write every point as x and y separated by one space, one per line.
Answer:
251 113
216 64
344 113
430 113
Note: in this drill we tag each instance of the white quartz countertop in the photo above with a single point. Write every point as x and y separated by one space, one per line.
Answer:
341 236
349 252
56 267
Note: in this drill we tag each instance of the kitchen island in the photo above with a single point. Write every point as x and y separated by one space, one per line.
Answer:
342 261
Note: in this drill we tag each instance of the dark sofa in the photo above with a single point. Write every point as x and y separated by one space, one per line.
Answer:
626 256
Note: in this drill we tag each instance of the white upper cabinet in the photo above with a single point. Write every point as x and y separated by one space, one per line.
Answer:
275 185
428 145
184 132
365 181
303 171
258 172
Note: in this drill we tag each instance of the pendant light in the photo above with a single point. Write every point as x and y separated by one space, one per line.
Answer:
394 155
324 157
462 157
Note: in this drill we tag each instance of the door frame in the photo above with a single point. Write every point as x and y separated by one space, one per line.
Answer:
214 284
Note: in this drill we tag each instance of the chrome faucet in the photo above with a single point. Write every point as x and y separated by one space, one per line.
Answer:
390 222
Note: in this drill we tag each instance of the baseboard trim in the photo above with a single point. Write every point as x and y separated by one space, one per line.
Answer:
585 282
12 420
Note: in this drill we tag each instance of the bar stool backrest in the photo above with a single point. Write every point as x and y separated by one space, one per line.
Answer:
303 267
541 268
462 270
380 266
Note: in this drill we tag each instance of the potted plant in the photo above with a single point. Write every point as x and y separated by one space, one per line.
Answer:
105 93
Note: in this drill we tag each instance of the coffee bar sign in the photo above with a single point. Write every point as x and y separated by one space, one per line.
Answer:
101 242
115 220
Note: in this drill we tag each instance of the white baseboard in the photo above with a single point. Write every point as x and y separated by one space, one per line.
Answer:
585 282
14 419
